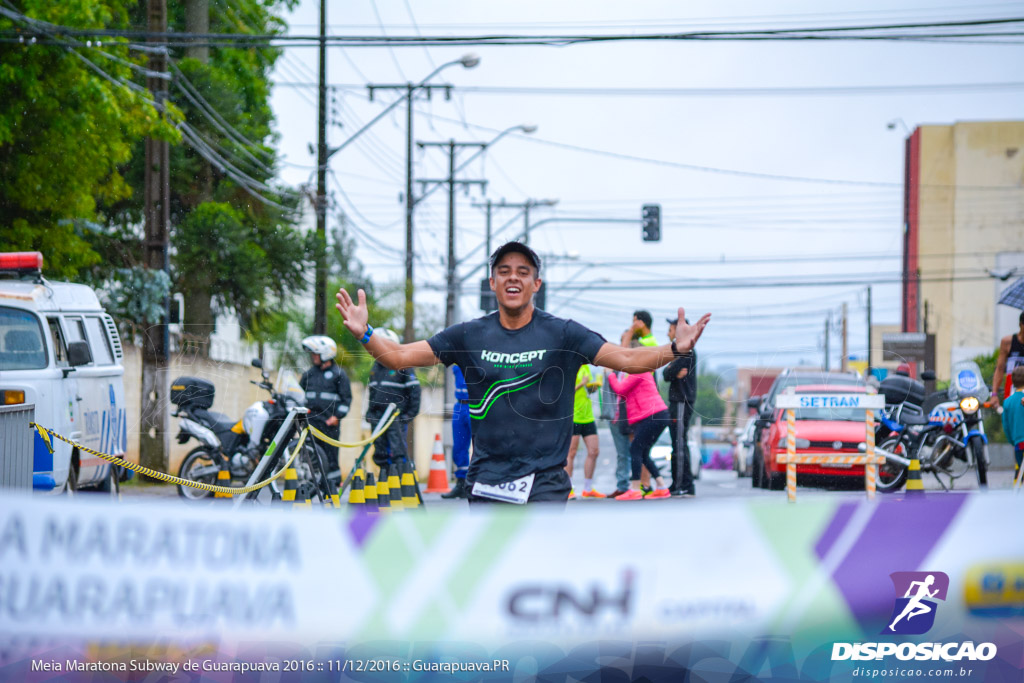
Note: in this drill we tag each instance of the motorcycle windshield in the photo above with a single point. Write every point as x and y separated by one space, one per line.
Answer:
966 380
287 384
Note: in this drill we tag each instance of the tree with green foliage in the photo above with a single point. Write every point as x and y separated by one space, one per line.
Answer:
235 245
73 119
385 311
66 131
709 404
217 251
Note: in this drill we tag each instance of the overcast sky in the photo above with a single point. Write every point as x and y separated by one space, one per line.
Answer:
724 165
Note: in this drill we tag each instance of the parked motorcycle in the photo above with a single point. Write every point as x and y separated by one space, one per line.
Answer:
226 444
944 431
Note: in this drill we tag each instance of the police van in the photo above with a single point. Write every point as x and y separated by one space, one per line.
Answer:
61 352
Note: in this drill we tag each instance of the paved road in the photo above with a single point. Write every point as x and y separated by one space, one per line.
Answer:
712 484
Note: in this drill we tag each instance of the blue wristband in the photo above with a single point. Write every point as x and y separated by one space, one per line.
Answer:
369 333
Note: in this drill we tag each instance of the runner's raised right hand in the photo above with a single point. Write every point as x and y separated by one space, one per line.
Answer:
356 316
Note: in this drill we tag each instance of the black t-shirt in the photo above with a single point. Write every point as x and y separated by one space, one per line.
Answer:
521 386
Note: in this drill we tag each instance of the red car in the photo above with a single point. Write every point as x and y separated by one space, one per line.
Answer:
833 430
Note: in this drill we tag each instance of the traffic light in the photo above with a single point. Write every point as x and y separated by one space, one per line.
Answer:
488 299
651 215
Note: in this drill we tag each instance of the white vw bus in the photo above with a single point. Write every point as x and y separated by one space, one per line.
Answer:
61 352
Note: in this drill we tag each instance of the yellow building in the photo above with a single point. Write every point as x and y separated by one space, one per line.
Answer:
963 231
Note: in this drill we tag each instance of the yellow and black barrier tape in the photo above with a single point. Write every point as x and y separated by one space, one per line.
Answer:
45 433
338 444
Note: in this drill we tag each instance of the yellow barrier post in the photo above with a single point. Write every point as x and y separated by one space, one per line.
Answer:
915 487
356 495
383 493
790 454
409 498
370 494
223 479
870 468
291 484
395 487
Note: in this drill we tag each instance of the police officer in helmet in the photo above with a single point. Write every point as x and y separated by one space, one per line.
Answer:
328 393
392 386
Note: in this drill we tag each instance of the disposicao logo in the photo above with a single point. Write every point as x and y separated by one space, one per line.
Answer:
914 612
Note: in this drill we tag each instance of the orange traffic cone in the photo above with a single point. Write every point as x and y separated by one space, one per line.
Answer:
437 482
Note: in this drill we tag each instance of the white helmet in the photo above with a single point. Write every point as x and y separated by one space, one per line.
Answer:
321 346
389 334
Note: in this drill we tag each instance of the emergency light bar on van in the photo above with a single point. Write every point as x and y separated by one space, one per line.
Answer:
22 261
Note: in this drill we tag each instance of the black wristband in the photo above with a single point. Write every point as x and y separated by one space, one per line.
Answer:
677 353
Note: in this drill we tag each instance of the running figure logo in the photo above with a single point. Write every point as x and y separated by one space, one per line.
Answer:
914 612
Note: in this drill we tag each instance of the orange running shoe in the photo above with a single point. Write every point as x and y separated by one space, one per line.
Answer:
572 494
659 493
631 494
593 494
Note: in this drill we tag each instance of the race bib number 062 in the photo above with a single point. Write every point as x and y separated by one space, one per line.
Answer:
516 491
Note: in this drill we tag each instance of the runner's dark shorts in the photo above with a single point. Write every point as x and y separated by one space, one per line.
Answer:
584 429
549 486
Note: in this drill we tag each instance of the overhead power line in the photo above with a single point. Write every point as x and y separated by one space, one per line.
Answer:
764 283
895 31
250 185
724 261
873 15
190 90
776 91
723 171
868 279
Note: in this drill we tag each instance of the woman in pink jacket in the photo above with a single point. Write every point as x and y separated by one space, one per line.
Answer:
648 415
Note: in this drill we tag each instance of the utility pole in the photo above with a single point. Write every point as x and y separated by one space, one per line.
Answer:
154 438
868 372
409 333
487 238
526 222
451 181
828 325
844 364
320 312
524 207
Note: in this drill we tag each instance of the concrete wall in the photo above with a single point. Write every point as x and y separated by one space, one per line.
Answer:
935 242
235 394
971 206
877 331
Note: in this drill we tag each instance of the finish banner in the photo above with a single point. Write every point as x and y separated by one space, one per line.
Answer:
725 590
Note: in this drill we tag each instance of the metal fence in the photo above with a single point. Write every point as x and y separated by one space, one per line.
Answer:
16 446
